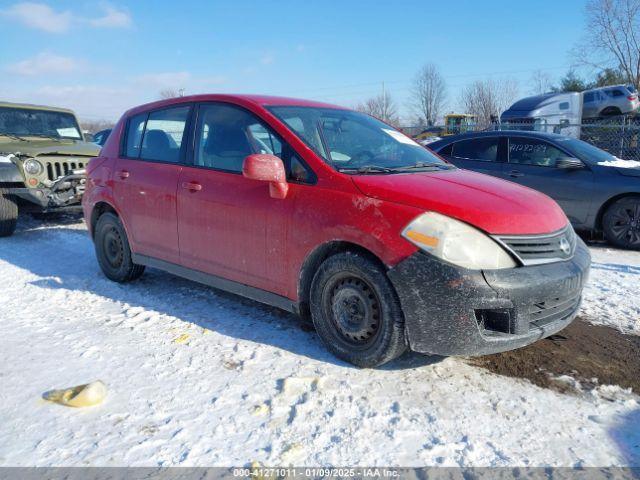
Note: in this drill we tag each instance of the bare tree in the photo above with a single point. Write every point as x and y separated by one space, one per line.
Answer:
428 93
381 106
171 93
540 82
487 99
612 37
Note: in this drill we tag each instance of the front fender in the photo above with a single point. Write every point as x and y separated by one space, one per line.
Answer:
9 173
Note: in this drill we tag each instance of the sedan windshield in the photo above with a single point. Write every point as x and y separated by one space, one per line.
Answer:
25 122
353 142
585 151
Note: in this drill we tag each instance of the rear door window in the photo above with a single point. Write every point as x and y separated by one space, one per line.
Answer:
482 149
533 151
164 133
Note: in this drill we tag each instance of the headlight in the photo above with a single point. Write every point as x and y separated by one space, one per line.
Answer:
33 167
456 242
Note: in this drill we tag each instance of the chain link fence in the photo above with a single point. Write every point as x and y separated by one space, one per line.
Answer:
620 136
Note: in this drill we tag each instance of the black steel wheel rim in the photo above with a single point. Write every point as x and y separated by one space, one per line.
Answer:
354 309
113 247
625 224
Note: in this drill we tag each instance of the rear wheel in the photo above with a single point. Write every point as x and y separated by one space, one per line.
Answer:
8 214
611 111
113 251
621 223
356 311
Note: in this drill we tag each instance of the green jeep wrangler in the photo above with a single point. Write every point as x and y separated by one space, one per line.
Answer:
42 160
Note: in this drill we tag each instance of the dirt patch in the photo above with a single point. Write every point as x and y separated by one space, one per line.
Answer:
592 354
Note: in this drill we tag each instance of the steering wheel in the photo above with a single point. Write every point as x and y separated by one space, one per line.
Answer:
363 156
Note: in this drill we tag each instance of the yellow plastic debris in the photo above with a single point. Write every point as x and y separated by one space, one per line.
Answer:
80 396
184 338
259 410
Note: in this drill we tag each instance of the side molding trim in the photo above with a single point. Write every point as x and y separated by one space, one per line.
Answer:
220 283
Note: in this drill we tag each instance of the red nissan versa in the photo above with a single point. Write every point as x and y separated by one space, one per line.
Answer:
334 215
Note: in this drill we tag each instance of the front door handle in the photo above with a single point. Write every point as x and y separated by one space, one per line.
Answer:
516 174
192 186
123 174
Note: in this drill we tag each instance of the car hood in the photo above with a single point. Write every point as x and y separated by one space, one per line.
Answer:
490 204
33 148
629 172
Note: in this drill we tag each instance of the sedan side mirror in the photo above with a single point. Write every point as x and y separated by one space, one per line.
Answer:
569 163
267 168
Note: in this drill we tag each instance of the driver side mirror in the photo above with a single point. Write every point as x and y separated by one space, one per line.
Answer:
569 163
267 168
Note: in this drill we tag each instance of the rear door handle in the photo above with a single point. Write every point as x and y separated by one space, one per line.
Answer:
516 174
192 186
123 174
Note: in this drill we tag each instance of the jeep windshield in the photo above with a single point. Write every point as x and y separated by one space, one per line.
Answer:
26 122
356 143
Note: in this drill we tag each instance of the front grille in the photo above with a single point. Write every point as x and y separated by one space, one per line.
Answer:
543 313
539 249
60 168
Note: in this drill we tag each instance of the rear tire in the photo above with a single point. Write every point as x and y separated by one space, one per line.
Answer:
356 311
611 112
621 223
113 251
8 214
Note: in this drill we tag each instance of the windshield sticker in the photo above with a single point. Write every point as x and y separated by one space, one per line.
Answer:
400 137
68 132
6 159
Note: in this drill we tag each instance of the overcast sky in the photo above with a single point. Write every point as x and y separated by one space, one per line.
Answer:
101 58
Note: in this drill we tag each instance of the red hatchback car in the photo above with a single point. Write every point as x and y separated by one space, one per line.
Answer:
334 215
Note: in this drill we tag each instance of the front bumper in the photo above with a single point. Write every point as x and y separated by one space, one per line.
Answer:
454 311
63 194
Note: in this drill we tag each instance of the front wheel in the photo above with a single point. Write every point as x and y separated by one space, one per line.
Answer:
8 214
621 223
112 250
356 311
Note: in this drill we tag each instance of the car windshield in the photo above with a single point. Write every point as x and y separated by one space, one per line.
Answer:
353 142
585 151
25 122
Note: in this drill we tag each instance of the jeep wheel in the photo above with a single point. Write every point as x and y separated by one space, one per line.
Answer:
621 223
8 214
356 311
112 250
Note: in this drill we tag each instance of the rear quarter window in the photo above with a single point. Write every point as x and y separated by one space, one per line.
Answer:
135 130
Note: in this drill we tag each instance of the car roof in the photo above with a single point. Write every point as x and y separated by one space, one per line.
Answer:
608 87
258 100
31 106
498 133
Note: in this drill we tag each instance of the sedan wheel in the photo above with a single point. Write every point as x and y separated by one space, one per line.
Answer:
621 223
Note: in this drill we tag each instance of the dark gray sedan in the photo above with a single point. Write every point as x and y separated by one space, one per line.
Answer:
597 191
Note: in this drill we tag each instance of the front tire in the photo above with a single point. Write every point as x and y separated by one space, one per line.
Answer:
356 311
8 214
113 251
621 223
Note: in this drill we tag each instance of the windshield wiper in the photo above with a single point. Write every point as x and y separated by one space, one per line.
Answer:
44 135
368 169
13 135
424 166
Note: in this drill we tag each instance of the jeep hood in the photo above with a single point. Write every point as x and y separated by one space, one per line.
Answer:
490 204
46 146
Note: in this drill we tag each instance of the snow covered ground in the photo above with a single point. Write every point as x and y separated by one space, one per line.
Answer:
199 377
